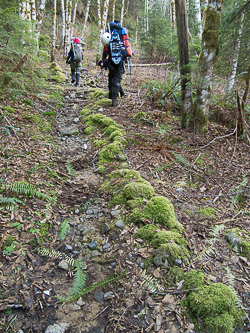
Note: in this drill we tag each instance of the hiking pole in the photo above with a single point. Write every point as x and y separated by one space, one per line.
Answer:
93 81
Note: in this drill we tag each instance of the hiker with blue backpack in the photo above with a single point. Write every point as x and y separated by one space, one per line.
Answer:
74 58
116 50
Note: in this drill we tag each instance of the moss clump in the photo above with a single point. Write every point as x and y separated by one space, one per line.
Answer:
241 243
55 67
58 76
162 211
216 305
100 120
147 232
8 109
97 93
100 143
85 112
171 252
138 189
194 280
121 140
175 275
206 212
89 130
110 129
114 134
43 54
140 114
132 204
163 237
117 200
135 216
101 102
110 153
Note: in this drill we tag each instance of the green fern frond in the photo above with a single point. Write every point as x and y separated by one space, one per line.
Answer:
70 169
9 201
182 160
150 282
25 188
57 254
79 278
64 229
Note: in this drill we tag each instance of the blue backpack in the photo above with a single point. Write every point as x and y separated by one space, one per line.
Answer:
117 48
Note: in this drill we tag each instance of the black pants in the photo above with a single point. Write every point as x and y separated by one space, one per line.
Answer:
115 78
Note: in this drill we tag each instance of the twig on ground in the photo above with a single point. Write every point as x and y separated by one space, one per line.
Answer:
99 313
143 163
232 219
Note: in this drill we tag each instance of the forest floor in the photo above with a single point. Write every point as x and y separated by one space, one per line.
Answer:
205 178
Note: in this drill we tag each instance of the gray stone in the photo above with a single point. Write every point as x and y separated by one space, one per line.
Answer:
74 307
122 158
109 295
92 245
119 224
76 120
104 229
100 214
68 247
95 211
106 246
113 264
57 328
70 131
89 211
178 262
99 296
77 211
85 146
63 265
179 190
115 213
94 253
100 110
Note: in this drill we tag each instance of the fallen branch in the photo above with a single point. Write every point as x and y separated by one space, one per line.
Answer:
16 69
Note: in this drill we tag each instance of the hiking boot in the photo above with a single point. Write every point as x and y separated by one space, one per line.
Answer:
115 102
73 76
77 79
122 92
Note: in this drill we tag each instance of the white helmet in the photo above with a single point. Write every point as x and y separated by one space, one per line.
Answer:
106 39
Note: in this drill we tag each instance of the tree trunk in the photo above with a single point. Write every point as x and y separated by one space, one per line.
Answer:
85 19
206 62
39 20
22 9
241 120
99 50
68 25
198 17
53 33
74 18
28 11
122 11
63 25
185 70
113 14
136 30
102 25
234 60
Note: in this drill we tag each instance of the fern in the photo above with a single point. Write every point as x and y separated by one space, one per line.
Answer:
70 169
150 282
79 278
240 192
22 187
64 228
9 203
182 160
57 254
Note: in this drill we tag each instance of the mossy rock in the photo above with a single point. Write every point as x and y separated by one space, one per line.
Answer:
58 77
207 211
132 204
175 275
110 153
100 120
100 143
101 102
97 93
117 200
162 211
89 130
194 280
121 140
135 216
114 134
55 67
216 305
138 189
163 237
170 252
147 232
236 240
85 112
110 129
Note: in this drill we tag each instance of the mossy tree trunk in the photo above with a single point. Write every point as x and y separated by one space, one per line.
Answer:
185 69
212 15
85 19
53 48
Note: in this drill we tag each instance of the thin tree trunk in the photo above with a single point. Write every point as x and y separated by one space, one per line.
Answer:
241 119
85 19
207 58
234 61
185 72
103 26
136 30
99 51
63 25
28 11
39 20
68 25
113 15
74 18
122 11
53 33
198 17
22 9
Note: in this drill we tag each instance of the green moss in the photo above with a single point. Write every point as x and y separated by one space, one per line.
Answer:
163 237
55 67
138 189
175 275
117 200
208 211
101 102
33 118
89 130
216 305
100 143
85 112
171 252
97 93
135 216
115 133
161 210
43 55
132 204
100 120
140 114
121 140
110 153
147 232
110 129
58 76
194 280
